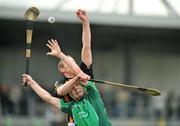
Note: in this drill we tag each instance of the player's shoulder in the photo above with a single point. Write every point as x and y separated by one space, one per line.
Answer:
56 85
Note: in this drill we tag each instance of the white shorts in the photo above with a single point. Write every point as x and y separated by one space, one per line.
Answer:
71 124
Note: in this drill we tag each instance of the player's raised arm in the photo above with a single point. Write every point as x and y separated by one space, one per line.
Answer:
56 51
41 92
86 54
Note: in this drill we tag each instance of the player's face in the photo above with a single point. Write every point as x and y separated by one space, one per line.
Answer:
66 70
77 92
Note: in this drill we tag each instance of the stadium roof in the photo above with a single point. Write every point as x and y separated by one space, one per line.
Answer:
145 13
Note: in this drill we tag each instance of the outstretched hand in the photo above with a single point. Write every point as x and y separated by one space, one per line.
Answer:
82 15
53 45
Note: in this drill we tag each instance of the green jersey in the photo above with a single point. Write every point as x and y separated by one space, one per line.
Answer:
93 97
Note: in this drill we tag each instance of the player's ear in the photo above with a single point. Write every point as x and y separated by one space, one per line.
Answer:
62 70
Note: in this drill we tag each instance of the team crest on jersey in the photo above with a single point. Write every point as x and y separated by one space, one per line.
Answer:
83 114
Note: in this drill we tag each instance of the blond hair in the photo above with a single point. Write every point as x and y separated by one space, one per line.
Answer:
61 63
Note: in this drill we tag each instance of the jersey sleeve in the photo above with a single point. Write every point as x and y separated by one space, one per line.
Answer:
56 85
65 106
85 69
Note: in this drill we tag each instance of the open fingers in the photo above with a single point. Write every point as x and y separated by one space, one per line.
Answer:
50 43
49 46
56 43
53 42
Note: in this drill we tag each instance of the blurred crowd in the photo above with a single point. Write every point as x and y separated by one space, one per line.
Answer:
18 101
133 104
